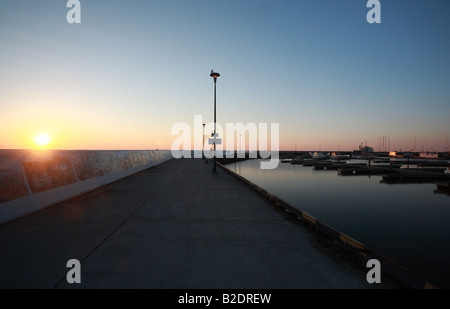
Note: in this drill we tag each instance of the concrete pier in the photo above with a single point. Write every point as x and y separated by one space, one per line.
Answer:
173 226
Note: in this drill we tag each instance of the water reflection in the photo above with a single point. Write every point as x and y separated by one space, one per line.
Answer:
405 222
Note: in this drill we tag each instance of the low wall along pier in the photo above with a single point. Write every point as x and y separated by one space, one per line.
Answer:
31 180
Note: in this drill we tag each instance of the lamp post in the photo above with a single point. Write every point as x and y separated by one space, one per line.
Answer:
214 75
203 145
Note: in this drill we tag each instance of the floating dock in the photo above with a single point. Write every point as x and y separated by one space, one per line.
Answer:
415 176
391 171
442 187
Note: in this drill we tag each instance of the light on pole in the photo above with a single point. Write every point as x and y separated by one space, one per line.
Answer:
203 145
214 75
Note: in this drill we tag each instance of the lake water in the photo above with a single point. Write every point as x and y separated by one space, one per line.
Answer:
408 223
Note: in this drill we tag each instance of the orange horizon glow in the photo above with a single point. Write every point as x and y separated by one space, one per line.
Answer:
82 130
86 136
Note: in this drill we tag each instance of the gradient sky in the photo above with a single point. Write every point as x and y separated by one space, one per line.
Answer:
132 69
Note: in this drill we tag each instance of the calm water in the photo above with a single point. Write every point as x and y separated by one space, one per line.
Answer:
407 223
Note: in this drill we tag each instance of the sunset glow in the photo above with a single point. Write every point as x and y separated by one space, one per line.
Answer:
332 81
42 140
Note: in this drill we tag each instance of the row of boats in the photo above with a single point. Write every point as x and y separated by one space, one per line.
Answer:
332 157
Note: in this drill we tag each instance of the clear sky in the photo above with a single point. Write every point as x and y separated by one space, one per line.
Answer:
132 69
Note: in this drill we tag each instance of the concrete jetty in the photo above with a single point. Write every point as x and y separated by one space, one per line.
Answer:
173 226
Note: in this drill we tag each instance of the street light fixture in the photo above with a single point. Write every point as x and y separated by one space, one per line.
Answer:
203 145
214 75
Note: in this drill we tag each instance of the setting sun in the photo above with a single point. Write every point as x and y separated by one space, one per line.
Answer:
42 140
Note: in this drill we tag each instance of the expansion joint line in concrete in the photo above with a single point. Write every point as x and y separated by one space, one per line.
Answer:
168 179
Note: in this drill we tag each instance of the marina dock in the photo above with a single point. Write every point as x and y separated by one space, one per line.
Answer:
392 171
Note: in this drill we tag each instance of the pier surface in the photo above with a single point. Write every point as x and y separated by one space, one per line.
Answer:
173 226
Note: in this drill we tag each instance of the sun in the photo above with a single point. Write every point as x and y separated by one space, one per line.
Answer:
42 140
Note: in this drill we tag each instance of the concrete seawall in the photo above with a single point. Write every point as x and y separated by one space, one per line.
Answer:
31 180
